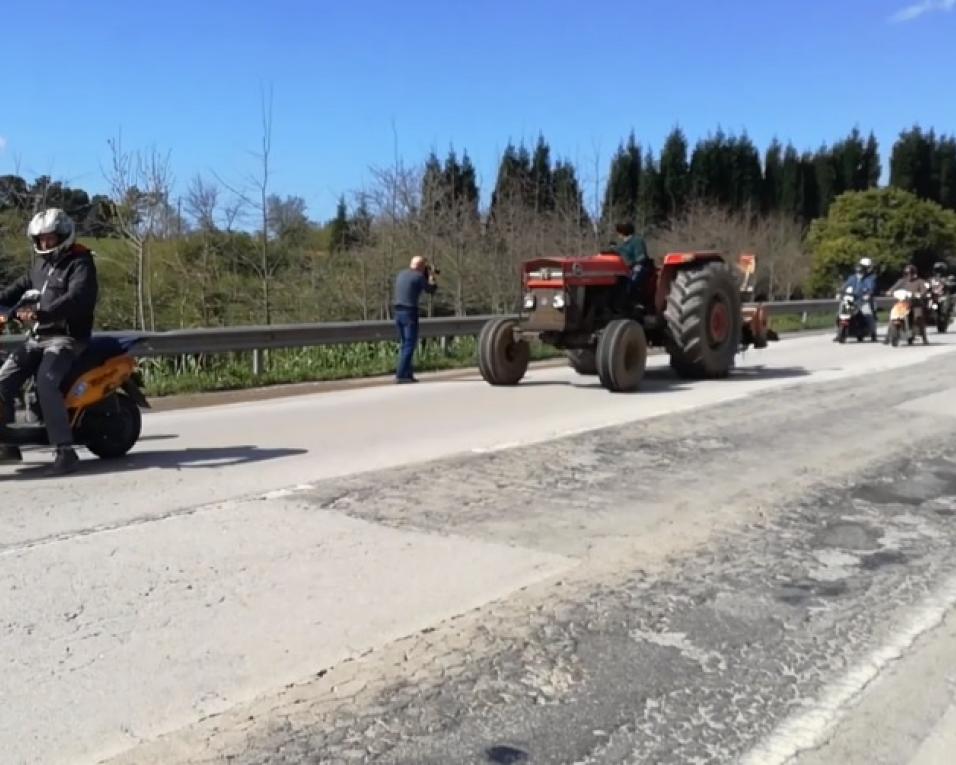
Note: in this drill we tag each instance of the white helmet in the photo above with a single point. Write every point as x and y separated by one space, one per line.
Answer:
866 263
52 221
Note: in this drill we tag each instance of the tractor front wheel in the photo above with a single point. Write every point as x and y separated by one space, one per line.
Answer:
703 316
502 360
621 355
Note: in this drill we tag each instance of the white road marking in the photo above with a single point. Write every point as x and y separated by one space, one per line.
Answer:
810 728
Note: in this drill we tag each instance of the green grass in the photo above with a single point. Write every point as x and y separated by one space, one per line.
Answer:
167 376
791 322
340 362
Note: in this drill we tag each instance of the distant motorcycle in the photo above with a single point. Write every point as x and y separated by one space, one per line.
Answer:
851 316
940 304
906 317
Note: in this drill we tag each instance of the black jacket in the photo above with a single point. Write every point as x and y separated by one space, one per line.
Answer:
68 302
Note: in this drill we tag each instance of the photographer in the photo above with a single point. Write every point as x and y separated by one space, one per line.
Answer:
409 284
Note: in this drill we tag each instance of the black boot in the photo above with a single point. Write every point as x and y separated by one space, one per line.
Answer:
10 454
66 461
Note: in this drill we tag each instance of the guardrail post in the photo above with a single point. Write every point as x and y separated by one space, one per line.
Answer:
803 319
257 362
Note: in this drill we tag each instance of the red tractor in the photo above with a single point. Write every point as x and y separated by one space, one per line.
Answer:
692 306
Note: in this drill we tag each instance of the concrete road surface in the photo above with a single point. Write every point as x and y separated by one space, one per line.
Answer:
452 572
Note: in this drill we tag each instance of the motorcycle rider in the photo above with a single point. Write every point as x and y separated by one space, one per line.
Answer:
65 275
941 288
863 283
911 281
941 275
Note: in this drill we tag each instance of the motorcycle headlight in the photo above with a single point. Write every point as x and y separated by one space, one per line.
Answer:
529 301
558 301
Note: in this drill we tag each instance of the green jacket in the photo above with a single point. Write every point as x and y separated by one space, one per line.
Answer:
633 250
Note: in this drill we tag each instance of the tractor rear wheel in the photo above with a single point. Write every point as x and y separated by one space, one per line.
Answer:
621 355
583 361
502 360
703 316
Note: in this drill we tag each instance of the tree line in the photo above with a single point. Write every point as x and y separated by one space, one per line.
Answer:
226 253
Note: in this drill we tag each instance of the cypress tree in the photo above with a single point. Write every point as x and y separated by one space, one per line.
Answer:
674 173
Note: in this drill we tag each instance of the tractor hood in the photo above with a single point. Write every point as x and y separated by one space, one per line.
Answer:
600 269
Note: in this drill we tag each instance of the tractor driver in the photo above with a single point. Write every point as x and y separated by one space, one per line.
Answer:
633 250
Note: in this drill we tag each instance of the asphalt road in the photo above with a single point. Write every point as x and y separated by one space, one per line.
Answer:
449 572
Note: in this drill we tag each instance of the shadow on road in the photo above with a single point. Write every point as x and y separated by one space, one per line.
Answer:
158 437
174 459
664 380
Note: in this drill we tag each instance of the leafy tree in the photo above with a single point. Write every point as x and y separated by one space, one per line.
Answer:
828 180
339 238
652 204
726 171
459 187
946 172
288 221
674 173
452 188
513 186
541 178
911 163
360 224
569 199
808 188
890 225
772 187
791 186
98 221
621 195
870 168
746 176
14 193
433 186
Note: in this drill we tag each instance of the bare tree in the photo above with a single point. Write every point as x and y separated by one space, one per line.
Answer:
394 202
202 203
266 265
139 190
782 261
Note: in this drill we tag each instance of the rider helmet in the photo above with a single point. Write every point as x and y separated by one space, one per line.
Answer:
52 221
939 268
866 265
909 270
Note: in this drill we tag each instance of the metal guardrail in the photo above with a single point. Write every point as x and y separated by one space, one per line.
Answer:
258 338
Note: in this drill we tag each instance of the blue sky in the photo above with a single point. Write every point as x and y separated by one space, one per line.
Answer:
185 77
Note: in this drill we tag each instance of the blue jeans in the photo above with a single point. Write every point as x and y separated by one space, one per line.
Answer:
406 319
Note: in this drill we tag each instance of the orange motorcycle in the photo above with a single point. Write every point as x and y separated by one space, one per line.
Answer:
102 393
907 317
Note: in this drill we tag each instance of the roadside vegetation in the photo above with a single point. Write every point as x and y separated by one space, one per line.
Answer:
210 252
